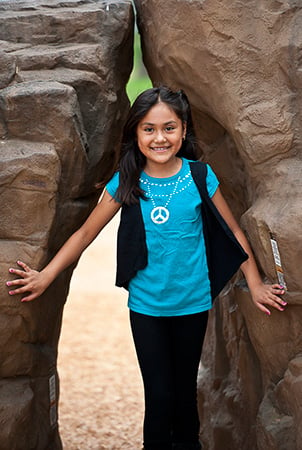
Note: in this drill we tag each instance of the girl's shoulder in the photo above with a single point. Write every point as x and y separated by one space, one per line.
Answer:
211 179
113 184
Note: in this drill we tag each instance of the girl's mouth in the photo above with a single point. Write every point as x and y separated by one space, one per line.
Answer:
159 149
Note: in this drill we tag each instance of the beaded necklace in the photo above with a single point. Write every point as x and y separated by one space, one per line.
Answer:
161 214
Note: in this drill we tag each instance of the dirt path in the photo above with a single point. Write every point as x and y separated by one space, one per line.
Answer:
101 404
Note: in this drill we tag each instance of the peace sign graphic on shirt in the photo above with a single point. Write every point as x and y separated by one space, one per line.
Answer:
160 214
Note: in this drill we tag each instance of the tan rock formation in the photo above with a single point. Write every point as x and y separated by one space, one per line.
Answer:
240 64
63 70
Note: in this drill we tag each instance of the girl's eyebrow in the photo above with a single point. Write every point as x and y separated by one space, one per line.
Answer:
166 123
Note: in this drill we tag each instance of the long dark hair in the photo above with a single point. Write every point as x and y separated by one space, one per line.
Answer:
132 161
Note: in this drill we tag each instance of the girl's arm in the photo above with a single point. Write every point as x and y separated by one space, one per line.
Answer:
262 294
35 283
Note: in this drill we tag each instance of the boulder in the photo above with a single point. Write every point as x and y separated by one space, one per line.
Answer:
240 65
63 71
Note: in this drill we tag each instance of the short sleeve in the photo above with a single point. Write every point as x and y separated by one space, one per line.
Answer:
113 184
212 182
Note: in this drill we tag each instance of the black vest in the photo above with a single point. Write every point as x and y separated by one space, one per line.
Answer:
224 253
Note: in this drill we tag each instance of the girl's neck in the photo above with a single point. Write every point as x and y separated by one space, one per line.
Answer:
156 170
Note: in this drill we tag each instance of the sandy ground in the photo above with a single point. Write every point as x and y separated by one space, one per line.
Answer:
101 400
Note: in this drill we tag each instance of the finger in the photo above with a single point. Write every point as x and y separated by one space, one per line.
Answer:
279 300
274 294
18 272
24 266
273 297
278 290
278 286
29 298
277 305
18 290
17 282
275 302
263 308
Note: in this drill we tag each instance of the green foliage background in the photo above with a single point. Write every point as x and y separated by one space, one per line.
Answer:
139 80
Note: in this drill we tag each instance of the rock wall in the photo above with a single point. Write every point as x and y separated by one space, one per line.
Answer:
240 64
63 70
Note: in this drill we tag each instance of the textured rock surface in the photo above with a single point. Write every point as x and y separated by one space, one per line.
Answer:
63 70
240 64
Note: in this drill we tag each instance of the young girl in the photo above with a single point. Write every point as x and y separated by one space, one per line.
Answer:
161 261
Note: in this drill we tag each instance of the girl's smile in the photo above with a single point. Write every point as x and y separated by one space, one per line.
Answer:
159 138
159 149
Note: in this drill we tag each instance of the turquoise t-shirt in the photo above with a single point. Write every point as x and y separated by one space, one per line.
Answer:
175 281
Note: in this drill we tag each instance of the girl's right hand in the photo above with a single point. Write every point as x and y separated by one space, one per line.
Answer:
31 282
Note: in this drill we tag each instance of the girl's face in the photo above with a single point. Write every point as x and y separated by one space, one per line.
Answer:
159 134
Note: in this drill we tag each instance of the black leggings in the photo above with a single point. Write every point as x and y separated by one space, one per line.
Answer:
168 350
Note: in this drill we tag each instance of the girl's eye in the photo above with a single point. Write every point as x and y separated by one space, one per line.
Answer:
148 129
170 128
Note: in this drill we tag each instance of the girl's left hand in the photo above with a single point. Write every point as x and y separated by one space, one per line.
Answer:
268 294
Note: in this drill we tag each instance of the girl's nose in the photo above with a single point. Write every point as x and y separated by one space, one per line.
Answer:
159 137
